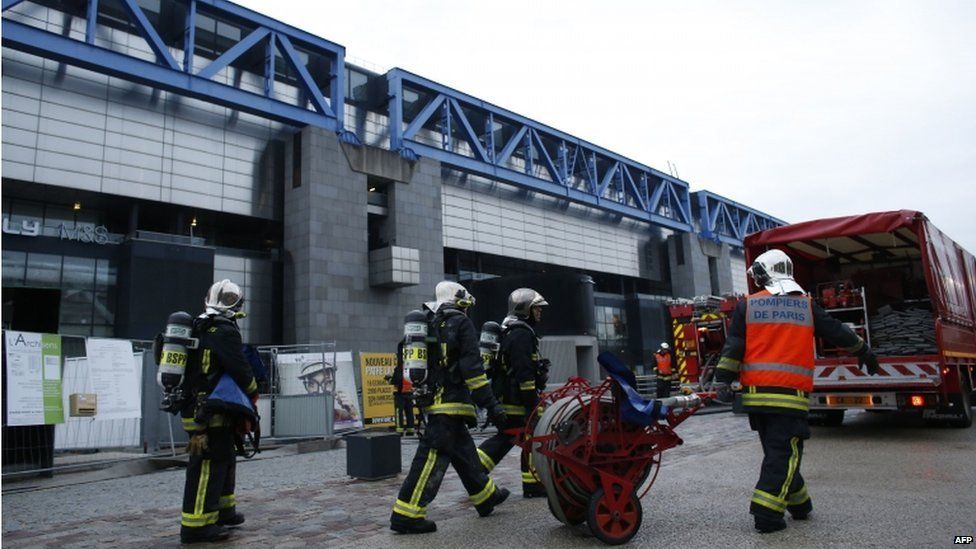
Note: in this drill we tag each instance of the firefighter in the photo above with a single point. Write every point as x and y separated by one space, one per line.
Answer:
770 349
209 504
402 397
455 376
662 368
518 377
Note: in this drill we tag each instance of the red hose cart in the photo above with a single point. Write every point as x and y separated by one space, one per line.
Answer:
597 449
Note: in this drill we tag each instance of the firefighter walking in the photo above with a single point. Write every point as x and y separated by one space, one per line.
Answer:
519 374
770 349
209 503
447 374
662 367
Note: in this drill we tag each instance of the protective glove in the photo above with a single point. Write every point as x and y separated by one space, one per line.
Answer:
868 361
497 415
542 374
723 393
197 445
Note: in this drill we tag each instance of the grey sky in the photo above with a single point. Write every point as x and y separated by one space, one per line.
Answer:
799 109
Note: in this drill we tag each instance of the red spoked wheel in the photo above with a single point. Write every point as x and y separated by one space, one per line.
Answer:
614 526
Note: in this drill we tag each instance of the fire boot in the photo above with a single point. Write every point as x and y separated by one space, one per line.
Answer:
500 495
802 511
533 490
403 525
766 524
203 534
231 521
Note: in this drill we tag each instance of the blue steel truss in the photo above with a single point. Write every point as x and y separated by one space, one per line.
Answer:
177 76
724 220
474 136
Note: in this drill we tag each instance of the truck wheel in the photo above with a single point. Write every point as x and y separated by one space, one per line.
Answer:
827 418
833 418
964 401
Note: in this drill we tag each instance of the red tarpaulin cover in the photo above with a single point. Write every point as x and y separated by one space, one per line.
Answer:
881 222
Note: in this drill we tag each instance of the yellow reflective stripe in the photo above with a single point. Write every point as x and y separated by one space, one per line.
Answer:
217 420
476 382
769 501
452 409
529 478
791 467
730 364
799 497
202 487
252 386
191 520
776 401
514 409
227 502
484 494
853 349
205 361
418 490
412 511
486 460
189 424
527 385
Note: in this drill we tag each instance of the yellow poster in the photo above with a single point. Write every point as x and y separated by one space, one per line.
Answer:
377 391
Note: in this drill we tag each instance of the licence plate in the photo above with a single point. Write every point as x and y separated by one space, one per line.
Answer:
864 400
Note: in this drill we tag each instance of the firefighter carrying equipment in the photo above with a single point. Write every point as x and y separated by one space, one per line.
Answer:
171 349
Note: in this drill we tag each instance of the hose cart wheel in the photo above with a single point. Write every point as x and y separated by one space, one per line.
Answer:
614 524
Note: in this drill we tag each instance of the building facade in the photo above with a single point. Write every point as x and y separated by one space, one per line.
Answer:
151 147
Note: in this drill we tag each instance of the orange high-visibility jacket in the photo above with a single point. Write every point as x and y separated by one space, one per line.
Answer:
663 363
779 342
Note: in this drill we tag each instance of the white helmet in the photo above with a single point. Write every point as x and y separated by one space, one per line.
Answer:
224 298
773 270
665 346
521 301
450 292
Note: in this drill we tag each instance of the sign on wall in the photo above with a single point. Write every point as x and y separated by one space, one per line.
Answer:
33 379
377 391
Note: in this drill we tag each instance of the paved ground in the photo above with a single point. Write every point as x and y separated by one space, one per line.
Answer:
878 481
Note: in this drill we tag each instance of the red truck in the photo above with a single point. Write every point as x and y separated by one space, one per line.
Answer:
906 288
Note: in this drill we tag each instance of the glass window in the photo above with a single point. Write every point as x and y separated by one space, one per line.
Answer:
13 268
104 309
105 275
43 270
79 273
356 90
76 309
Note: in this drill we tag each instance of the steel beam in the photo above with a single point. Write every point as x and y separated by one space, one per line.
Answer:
170 75
74 52
668 204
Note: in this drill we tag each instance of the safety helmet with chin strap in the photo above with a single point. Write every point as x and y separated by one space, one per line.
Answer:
521 301
224 298
773 270
450 292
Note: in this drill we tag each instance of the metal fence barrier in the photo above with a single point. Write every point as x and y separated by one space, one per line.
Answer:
298 401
